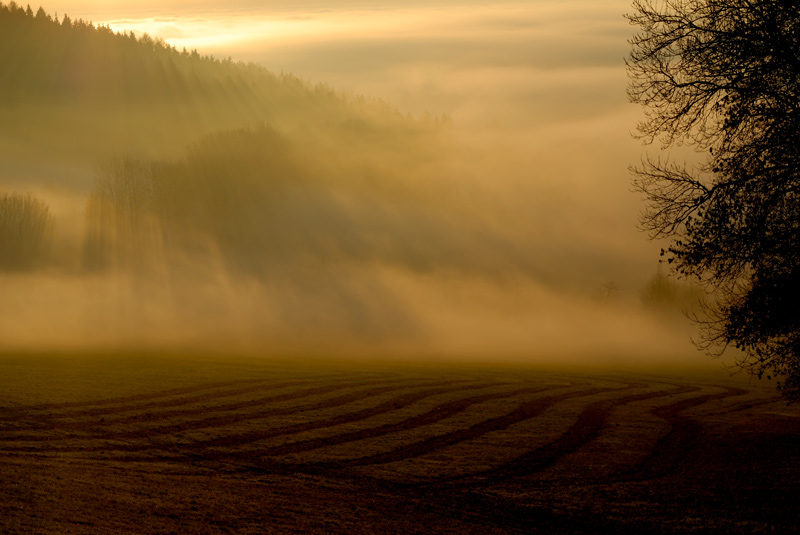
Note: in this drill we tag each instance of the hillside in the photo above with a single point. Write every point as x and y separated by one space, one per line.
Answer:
72 90
199 191
186 141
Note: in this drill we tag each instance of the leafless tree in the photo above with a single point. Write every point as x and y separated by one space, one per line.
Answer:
26 229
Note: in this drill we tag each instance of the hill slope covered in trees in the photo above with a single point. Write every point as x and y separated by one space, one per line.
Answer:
73 90
213 183
124 108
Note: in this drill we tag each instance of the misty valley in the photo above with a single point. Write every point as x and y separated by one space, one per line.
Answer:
159 198
235 300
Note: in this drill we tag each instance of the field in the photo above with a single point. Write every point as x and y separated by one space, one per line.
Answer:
152 444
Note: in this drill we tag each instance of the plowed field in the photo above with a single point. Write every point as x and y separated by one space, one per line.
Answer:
167 445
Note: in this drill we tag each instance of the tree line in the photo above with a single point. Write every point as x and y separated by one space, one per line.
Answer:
74 59
122 92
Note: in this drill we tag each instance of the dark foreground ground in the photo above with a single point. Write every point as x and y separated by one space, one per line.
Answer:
167 445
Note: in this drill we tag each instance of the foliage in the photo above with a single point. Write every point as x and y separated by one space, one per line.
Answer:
140 93
222 190
26 228
77 60
260 202
724 77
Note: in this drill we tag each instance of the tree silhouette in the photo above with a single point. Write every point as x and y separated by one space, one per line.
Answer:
121 219
26 228
723 76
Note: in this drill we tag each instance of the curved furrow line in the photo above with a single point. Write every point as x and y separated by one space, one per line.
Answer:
167 429
524 411
147 396
132 398
166 414
434 415
205 423
747 405
591 421
682 438
54 421
259 402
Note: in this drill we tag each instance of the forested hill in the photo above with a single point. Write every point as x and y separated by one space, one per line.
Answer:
120 90
48 59
163 155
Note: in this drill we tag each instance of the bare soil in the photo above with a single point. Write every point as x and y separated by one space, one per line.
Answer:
162 444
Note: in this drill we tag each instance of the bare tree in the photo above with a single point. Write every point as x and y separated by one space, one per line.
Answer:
26 228
723 76
121 222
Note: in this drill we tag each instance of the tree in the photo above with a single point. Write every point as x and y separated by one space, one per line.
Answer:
26 228
723 77
122 224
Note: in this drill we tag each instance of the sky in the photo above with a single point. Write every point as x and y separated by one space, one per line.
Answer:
536 92
522 63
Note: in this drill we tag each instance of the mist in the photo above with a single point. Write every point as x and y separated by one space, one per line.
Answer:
437 180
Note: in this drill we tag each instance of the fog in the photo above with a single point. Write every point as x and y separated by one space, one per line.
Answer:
476 204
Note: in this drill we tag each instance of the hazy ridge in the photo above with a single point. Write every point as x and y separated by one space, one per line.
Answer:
122 92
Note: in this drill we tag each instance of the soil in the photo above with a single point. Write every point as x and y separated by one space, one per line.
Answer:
165 444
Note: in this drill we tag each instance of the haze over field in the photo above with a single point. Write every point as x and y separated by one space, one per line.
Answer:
496 221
